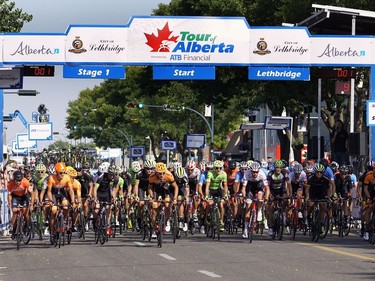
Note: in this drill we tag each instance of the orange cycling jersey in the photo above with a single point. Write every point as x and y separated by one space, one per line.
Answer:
155 180
18 190
370 181
55 183
231 175
77 188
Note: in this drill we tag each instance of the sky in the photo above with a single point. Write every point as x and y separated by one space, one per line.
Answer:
55 16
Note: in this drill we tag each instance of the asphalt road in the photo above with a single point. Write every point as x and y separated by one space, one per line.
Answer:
195 257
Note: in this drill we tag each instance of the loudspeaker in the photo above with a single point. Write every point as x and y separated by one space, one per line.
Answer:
312 148
358 144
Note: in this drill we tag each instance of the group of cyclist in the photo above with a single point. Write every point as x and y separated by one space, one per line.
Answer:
192 188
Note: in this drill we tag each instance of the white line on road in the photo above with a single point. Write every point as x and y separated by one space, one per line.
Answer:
167 257
3 267
209 273
140 243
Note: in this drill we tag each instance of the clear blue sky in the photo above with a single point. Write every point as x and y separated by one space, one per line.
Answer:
55 16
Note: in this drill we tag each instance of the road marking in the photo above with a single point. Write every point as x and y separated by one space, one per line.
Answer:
338 251
209 273
140 243
167 257
1 253
3 267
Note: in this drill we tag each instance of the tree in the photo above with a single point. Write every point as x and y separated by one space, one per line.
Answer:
12 19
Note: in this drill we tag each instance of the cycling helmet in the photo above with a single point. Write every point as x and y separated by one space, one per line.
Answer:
285 163
180 172
344 170
255 166
60 167
334 166
209 165
309 169
170 166
51 169
86 165
297 168
278 164
176 165
78 166
160 167
264 164
243 165
112 169
232 164
17 175
136 167
41 168
71 171
249 163
191 164
218 164
118 170
319 168
103 168
149 164
202 166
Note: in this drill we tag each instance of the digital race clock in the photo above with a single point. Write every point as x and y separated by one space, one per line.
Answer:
39 71
341 73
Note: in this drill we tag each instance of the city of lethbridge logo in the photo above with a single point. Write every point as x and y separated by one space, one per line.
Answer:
262 48
162 41
77 46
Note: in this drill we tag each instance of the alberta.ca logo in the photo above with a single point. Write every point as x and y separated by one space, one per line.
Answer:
186 42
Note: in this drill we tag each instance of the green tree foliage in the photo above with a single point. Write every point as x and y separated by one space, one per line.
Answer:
12 19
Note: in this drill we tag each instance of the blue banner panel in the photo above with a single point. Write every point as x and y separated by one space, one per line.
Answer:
184 73
94 72
279 73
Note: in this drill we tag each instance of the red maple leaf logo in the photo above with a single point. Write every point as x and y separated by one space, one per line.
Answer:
161 42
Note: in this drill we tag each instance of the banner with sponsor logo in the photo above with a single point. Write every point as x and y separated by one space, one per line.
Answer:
32 49
279 46
188 40
96 44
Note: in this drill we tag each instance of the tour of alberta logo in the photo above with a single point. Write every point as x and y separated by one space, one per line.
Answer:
186 43
162 41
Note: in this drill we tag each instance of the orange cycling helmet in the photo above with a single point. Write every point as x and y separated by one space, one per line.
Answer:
60 167
160 167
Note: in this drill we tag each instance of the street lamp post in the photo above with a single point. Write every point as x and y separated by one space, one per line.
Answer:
150 147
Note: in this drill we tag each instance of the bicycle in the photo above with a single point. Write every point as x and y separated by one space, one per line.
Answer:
161 223
81 223
279 219
59 232
69 224
213 225
101 234
342 225
146 227
318 228
37 223
253 220
229 218
21 226
296 223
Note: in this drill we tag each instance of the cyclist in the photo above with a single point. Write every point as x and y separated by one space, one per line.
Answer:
87 185
239 183
201 207
216 186
105 190
361 197
59 190
162 185
298 182
279 185
255 186
232 171
343 185
184 196
19 194
369 196
318 188
141 184
42 177
72 173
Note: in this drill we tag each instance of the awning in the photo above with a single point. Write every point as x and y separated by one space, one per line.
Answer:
233 145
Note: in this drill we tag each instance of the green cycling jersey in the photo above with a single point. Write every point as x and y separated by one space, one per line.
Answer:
216 179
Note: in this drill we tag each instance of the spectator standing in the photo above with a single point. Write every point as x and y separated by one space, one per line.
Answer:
338 141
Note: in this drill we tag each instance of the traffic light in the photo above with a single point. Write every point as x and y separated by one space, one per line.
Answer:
134 105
